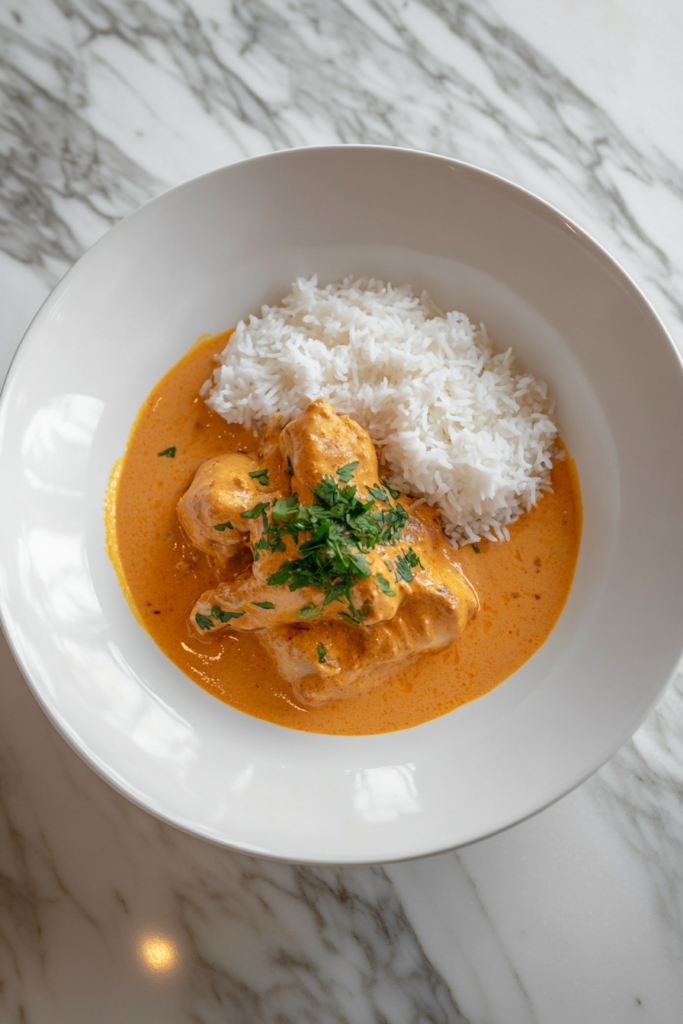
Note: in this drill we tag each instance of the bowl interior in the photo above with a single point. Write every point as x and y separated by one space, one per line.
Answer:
195 261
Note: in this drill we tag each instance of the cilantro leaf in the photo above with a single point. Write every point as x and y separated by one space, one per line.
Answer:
346 472
224 526
321 654
285 509
261 475
268 605
392 490
385 586
347 618
281 576
379 493
255 512
204 622
403 570
218 613
476 550
170 453
412 559
289 470
309 611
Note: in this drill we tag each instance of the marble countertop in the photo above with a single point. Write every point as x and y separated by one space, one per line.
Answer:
108 916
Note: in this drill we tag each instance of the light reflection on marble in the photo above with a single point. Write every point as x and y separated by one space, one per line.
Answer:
107 915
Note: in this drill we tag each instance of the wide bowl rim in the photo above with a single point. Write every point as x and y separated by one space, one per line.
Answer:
531 201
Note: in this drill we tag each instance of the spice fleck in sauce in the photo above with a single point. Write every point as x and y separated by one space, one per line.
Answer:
522 584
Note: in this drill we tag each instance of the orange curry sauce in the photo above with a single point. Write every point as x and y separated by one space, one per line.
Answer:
522 584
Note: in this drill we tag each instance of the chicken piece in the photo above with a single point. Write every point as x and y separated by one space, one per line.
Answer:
409 606
243 598
358 658
435 609
221 490
319 442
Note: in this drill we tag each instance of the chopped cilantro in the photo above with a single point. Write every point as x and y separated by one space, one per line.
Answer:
259 546
355 615
412 559
476 550
392 490
222 616
289 470
385 586
321 654
379 493
170 453
281 576
268 605
309 611
255 512
347 618
285 508
204 622
224 526
346 472
261 475
403 571
333 535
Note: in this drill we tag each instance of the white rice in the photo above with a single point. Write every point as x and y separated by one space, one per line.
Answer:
458 423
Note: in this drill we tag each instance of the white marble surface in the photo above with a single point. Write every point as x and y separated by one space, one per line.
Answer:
107 915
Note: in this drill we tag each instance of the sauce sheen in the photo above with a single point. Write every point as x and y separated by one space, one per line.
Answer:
522 584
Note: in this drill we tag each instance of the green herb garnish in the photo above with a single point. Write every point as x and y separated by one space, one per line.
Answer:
204 622
309 611
170 454
224 526
285 509
346 472
289 469
392 490
385 586
268 605
255 512
379 493
222 616
334 535
260 545
412 559
261 475
476 550
403 571
321 654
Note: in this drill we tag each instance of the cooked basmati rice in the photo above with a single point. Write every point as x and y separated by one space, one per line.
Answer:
457 422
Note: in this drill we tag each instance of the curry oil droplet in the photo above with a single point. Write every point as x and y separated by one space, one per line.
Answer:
405 687
485 626
182 566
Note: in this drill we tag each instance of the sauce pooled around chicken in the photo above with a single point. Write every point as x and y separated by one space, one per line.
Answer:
182 458
345 583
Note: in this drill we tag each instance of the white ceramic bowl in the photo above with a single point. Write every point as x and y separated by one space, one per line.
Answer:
196 260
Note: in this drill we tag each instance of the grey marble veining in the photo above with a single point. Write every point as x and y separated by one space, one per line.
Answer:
448 77
107 915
